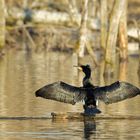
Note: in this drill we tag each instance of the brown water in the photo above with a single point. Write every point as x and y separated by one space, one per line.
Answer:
22 73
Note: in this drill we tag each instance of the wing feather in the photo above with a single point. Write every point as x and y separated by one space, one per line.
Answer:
62 92
116 92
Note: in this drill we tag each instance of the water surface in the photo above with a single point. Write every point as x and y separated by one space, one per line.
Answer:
22 73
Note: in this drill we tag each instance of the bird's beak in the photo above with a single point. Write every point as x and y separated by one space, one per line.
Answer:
78 67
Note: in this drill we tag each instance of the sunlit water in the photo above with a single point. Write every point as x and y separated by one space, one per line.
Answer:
22 73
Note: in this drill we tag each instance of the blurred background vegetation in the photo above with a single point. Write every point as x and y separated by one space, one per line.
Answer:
110 27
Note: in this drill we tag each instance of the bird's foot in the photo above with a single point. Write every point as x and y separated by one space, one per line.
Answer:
91 111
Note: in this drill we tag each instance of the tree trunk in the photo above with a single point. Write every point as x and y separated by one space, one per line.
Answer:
2 24
103 23
123 41
110 55
83 30
122 71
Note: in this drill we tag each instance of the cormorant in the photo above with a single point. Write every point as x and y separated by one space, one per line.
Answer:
90 101
63 92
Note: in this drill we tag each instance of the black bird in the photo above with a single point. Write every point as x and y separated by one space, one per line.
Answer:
63 92
90 106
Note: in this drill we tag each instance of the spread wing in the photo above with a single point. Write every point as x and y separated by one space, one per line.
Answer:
62 92
116 92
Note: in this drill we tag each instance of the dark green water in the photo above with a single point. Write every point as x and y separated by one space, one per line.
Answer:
22 73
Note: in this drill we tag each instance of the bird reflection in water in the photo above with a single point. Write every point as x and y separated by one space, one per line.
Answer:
89 129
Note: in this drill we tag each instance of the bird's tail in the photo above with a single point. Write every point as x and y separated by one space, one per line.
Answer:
91 111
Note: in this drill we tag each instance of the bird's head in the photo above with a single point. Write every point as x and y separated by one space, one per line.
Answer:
85 68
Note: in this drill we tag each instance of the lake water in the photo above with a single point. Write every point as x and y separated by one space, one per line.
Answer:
22 73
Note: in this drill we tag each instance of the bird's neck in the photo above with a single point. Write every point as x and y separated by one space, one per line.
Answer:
87 75
87 79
